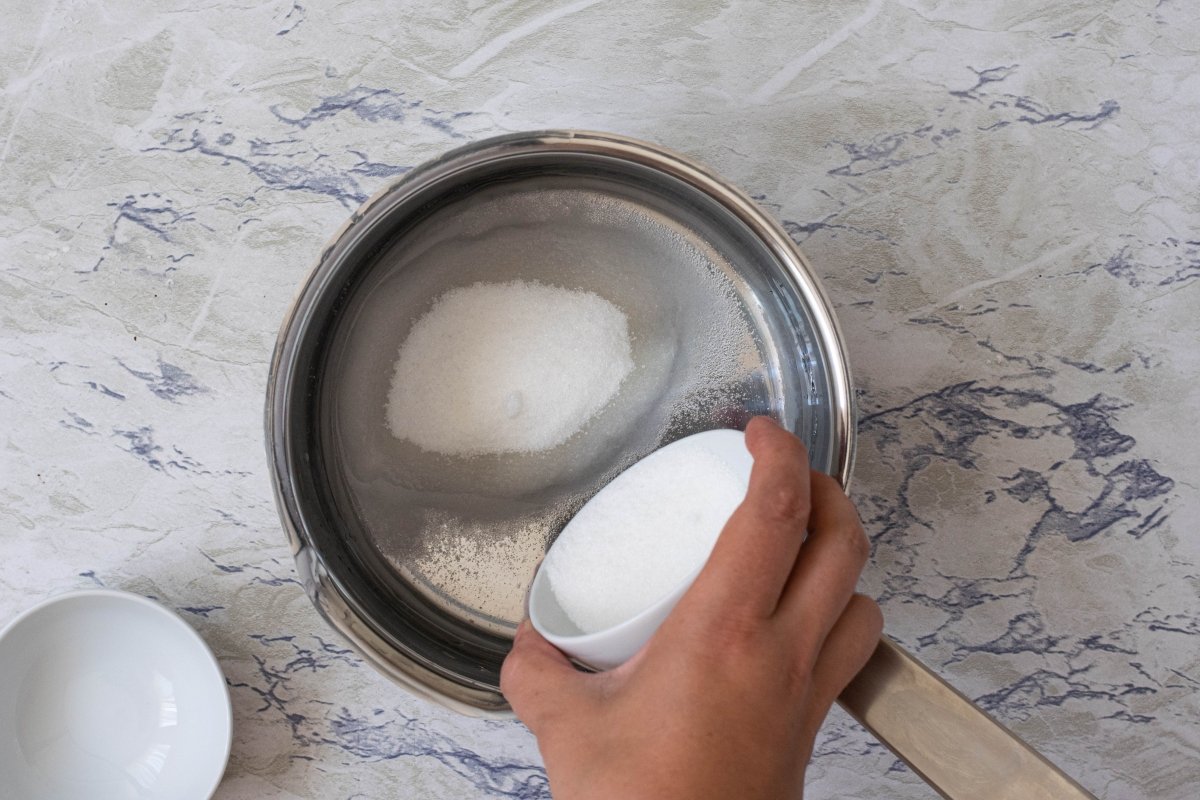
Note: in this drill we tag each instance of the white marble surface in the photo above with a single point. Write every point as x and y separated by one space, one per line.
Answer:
1001 198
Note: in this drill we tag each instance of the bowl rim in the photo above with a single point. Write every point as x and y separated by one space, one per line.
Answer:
146 603
333 601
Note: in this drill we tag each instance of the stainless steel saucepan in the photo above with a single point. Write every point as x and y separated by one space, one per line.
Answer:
422 560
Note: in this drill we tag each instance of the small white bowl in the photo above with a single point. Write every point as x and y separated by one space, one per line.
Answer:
614 646
106 695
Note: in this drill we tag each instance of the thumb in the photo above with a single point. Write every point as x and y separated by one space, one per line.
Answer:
538 681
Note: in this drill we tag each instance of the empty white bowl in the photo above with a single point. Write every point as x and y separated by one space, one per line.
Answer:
611 647
106 695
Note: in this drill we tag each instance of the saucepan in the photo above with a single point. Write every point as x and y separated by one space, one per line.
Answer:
421 559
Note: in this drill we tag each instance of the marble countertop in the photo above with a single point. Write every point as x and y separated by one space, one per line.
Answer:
1000 198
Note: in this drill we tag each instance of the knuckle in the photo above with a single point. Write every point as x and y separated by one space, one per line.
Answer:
869 612
799 673
799 655
859 545
786 505
736 631
827 481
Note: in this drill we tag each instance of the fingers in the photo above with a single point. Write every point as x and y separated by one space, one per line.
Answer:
847 647
753 557
537 679
827 568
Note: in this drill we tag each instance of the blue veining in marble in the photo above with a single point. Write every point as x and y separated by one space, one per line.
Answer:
1132 500
229 569
369 104
171 383
889 150
801 231
982 78
1172 262
201 611
1085 366
151 211
260 574
140 442
1022 108
369 734
1158 620
229 518
296 164
91 576
376 169
313 176
404 736
962 413
892 150
292 19
78 423
374 104
1035 112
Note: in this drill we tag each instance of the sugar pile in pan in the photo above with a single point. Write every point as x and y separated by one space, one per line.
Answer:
512 367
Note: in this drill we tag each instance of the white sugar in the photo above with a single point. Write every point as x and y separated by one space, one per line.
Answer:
642 536
511 367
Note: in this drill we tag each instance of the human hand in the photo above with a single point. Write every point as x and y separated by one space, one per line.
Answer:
725 699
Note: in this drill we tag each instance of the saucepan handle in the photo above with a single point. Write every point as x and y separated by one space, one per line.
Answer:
950 742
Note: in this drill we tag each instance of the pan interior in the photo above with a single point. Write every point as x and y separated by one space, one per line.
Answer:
440 549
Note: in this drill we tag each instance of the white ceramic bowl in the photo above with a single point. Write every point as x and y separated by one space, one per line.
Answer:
614 646
106 695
